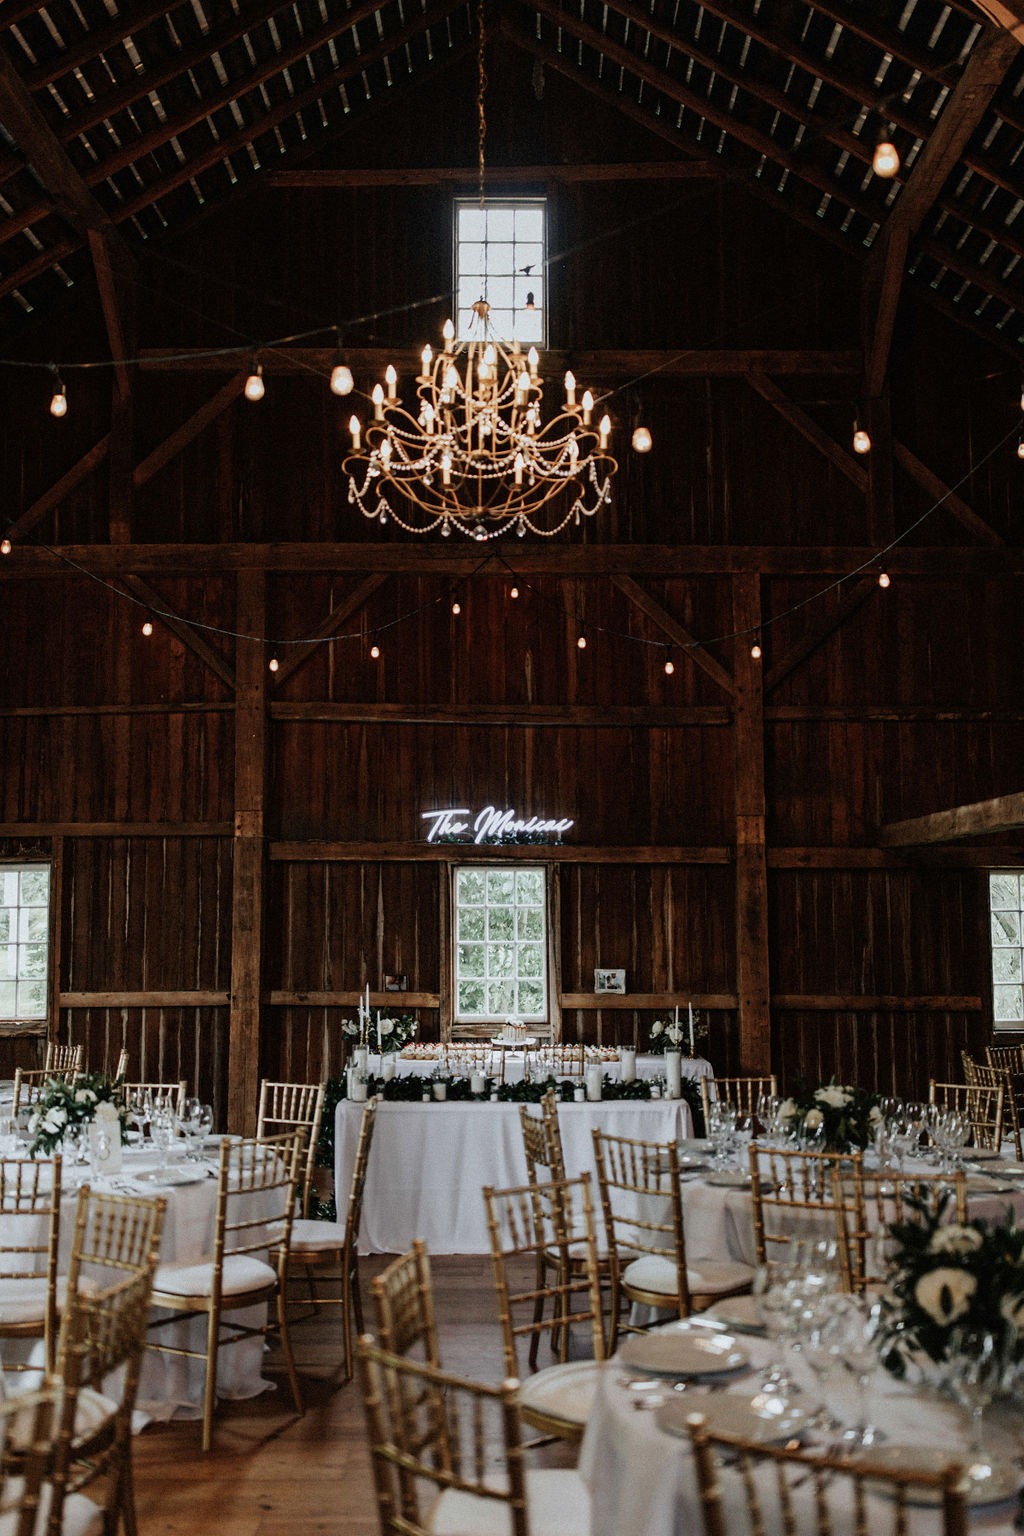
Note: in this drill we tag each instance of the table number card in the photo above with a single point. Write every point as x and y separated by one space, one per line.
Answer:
105 1141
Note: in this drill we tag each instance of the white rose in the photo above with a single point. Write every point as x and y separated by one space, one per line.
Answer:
55 1119
835 1098
955 1239
813 1119
875 1115
787 1109
656 1028
945 1294
387 1026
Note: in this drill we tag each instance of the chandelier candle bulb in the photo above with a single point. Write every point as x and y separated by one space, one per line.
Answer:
588 407
391 379
355 430
378 402
604 430
570 389
448 332
533 360
426 358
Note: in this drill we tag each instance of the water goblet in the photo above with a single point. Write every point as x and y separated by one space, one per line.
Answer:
161 1130
850 1331
976 1369
772 1305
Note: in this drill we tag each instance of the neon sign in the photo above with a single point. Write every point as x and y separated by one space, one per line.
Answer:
489 824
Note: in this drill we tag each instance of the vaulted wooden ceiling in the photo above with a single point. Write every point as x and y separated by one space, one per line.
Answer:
120 121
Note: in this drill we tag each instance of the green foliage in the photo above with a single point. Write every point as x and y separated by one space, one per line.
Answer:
62 1107
846 1116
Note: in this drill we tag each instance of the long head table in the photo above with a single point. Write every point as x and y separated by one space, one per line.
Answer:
429 1162
648 1067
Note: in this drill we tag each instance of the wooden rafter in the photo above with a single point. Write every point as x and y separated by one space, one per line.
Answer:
185 632
953 503
1005 13
299 654
61 488
189 430
415 176
983 73
679 636
1003 814
808 428
817 633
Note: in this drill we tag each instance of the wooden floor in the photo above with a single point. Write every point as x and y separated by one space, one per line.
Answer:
270 1469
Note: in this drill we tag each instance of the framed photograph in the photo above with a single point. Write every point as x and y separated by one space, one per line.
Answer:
609 981
395 983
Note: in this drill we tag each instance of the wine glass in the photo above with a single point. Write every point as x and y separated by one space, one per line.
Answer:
851 1330
976 1369
772 1306
162 1127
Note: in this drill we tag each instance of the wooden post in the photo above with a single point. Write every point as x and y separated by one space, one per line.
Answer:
752 979
248 855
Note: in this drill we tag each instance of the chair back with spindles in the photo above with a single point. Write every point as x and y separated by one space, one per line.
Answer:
62 1058
747 1488
869 1200
793 1199
983 1107
404 1297
998 1071
291 1106
30 1196
30 1084
743 1093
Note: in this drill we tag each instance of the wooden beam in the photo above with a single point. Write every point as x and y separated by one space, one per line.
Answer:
315 852
531 716
216 998
818 632
247 882
568 175
964 107
930 482
881 504
1005 13
352 999
677 634
186 633
189 430
809 429
606 364
977 820
627 1002
61 489
752 956
802 1003
113 829
298 654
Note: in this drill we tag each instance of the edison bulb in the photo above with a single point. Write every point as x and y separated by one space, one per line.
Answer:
274 663
642 440
147 627
883 579
514 592
885 161
669 668
5 546
342 382
375 651
755 651
581 643
861 441
456 609
254 386
59 403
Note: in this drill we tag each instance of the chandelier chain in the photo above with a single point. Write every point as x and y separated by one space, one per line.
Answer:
480 91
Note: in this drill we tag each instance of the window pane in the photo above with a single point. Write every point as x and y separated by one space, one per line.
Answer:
500 950
530 924
472 222
501 960
1007 1003
471 959
500 223
500 998
529 224
9 960
24 941
1006 965
8 999
1004 888
500 922
9 887
1003 891
8 924
500 260
500 886
471 923
471 997
530 887
35 888
35 924
531 999
32 960
531 960
470 886
31 1000
1005 928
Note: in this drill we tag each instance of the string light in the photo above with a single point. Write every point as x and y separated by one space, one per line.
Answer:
755 649
58 400
641 440
514 592
669 667
5 546
375 651
861 440
883 579
885 161
342 382
581 643
456 608
1020 447
147 625
273 663
254 386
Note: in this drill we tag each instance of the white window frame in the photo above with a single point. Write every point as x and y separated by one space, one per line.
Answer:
491 1021
1006 938
22 936
503 278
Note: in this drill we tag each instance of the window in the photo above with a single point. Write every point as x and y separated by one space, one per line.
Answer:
501 944
499 256
1006 903
24 942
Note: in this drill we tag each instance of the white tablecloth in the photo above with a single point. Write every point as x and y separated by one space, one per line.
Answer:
642 1481
429 1162
647 1067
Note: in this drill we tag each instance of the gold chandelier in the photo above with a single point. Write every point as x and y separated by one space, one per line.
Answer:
478 456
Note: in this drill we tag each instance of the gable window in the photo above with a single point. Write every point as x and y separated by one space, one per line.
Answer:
499 256
1006 905
24 942
501 944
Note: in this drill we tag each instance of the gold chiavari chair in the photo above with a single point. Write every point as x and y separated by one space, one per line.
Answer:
114 1254
33 1497
294 1106
742 1093
404 1296
30 1193
62 1058
793 1198
641 1200
447 1456
747 1488
541 1168
868 1200
122 1063
256 1187
554 1217
30 1084
982 1106
335 1244
1000 1071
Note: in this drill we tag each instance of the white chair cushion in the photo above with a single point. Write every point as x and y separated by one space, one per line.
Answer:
707 1277
558 1504
92 1411
23 1300
316 1235
80 1516
241 1273
562 1391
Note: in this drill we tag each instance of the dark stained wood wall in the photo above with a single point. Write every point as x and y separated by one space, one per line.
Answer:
118 756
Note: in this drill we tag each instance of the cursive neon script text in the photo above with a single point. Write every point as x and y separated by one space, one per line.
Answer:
490 822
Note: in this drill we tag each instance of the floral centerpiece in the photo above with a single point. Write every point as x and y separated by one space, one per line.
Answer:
946 1278
837 1117
62 1107
393 1030
675 1034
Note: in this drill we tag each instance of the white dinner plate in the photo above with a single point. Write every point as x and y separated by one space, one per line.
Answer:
737 1312
1003 1170
762 1419
1003 1483
171 1176
678 1350
729 1179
